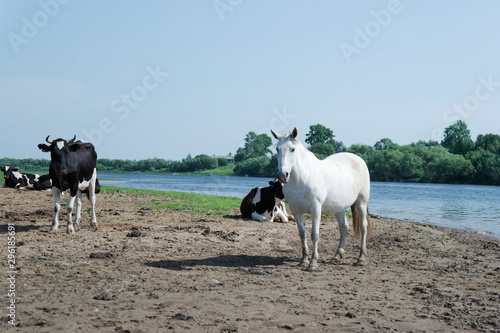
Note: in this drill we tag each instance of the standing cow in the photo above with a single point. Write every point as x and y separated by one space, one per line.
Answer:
265 203
15 179
73 167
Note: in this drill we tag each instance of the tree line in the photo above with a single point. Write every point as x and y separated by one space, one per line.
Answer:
456 159
188 164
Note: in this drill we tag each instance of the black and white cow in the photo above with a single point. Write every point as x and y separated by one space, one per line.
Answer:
15 179
43 183
73 167
265 203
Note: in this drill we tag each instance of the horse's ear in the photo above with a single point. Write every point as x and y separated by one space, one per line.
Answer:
276 135
294 133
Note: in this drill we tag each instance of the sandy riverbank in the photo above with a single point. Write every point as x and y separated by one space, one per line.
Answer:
151 271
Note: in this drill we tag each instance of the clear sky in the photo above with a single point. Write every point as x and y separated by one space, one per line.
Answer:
166 79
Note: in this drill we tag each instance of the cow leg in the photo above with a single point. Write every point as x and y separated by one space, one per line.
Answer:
341 219
269 216
92 197
71 202
280 210
56 194
78 207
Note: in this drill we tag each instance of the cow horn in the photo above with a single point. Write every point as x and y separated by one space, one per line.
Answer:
72 140
47 139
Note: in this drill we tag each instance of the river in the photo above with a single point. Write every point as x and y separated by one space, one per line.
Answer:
470 207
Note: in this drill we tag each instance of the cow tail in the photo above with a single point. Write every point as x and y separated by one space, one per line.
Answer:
356 222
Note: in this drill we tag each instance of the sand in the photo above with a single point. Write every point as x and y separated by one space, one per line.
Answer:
146 270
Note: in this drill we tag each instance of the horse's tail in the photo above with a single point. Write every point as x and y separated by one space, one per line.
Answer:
356 222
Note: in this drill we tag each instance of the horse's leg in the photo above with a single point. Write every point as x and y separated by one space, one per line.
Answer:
316 221
361 207
302 233
341 219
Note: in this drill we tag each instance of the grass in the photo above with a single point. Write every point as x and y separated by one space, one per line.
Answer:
181 202
227 170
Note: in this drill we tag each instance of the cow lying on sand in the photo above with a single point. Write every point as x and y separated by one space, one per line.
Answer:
265 203
43 183
15 179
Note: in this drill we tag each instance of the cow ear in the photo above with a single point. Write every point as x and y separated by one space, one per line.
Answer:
276 135
43 147
294 133
271 182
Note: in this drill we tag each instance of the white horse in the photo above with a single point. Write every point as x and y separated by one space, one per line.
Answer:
318 186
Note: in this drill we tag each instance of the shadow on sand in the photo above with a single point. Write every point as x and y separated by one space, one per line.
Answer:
221 261
4 228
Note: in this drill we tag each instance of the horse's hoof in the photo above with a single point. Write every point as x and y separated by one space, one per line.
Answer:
360 262
71 230
304 264
312 267
336 260
53 230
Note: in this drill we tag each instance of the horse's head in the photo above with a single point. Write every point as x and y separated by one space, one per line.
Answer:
286 153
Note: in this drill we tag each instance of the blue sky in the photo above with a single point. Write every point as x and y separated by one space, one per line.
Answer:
165 79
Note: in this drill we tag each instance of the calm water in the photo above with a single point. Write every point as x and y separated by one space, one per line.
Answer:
470 207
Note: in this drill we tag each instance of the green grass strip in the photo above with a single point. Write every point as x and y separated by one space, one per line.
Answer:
180 201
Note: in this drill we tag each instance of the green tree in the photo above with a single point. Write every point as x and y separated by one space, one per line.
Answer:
486 166
321 141
384 165
361 150
384 144
255 146
255 167
322 150
457 138
489 142
319 134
